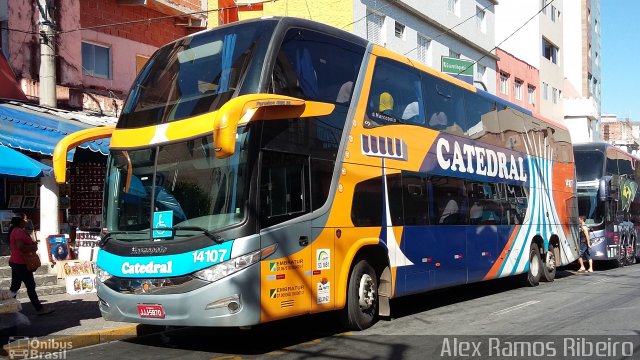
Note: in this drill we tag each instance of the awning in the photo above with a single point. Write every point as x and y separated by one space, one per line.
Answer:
18 164
38 130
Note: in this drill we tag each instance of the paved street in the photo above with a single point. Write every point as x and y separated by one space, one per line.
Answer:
574 307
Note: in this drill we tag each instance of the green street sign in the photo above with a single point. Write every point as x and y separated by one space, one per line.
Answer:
453 66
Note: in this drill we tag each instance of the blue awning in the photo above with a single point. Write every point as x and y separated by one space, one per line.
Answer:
16 163
39 132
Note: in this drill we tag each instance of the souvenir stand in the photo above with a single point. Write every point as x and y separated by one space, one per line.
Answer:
81 200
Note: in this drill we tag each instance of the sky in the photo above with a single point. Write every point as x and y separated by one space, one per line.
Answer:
620 43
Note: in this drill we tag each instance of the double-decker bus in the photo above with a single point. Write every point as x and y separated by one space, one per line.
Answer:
608 198
279 167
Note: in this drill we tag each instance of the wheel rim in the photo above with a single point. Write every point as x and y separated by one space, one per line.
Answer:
551 261
534 266
366 292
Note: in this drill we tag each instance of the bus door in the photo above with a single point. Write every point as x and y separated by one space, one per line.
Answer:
285 196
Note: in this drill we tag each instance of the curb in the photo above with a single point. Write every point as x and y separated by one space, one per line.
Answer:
57 343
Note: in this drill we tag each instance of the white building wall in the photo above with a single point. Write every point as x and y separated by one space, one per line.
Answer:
413 14
510 15
573 49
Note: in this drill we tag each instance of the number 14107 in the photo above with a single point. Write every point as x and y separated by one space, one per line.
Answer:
209 255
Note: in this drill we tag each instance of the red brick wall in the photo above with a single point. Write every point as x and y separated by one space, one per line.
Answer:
156 33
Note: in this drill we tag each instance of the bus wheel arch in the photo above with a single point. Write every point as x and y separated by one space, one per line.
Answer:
550 259
368 288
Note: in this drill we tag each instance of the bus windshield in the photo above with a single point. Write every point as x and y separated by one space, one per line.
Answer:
183 180
589 206
196 75
589 165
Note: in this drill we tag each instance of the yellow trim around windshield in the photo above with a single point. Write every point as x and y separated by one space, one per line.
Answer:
223 122
71 141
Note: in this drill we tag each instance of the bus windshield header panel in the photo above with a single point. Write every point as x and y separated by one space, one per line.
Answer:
196 75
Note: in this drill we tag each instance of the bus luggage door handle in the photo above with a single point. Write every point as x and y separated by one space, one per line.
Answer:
303 241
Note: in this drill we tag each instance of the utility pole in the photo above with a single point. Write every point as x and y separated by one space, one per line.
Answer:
47 93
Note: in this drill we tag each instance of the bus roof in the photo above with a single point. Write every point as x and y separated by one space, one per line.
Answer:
602 146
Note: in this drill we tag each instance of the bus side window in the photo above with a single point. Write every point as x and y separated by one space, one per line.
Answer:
415 199
314 66
284 187
443 105
395 95
366 209
449 201
481 115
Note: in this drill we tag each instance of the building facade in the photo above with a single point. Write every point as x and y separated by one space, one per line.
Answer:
518 81
622 133
100 44
532 31
582 69
427 31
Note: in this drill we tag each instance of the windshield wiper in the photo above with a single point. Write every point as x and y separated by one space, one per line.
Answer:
217 238
107 236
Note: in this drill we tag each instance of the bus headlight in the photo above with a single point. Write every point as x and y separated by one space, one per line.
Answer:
219 271
597 241
102 275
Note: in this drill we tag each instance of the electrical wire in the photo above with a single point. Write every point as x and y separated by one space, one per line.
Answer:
309 11
369 13
508 37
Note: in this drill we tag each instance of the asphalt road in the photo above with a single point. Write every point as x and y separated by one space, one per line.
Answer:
568 318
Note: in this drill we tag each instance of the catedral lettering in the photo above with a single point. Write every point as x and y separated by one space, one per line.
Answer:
487 162
150 268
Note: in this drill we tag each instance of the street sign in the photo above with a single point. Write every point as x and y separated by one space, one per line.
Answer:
458 68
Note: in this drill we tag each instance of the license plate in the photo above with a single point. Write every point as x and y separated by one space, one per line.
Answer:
151 311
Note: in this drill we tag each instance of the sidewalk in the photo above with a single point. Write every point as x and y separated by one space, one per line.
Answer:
76 320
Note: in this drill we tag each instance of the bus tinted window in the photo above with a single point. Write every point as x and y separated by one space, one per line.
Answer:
444 105
314 66
395 95
612 162
415 199
321 173
283 187
366 209
449 201
485 204
589 165
481 116
194 75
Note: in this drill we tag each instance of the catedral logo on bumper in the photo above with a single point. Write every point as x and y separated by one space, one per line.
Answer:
164 265
149 268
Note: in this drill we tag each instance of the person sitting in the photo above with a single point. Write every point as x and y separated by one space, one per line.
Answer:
450 212
385 105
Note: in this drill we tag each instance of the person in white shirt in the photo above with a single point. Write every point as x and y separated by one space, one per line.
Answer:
450 209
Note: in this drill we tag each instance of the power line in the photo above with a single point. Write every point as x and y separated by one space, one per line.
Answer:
508 37
370 13
309 11
20 31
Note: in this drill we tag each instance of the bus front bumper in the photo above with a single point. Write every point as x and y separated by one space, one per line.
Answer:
231 301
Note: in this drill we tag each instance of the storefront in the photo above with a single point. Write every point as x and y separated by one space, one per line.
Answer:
69 213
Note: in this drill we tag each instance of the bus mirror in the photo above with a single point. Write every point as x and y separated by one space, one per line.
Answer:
246 108
604 188
72 141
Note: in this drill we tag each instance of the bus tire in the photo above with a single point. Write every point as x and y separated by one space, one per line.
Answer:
361 310
549 265
620 261
630 258
532 277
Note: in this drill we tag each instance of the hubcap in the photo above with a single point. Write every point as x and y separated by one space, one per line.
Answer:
534 265
366 292
551 260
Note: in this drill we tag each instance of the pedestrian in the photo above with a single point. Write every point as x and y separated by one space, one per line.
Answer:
20 242
585 244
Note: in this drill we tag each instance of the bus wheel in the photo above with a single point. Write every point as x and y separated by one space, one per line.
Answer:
630 258
362 297
622 250
549 266
532 277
